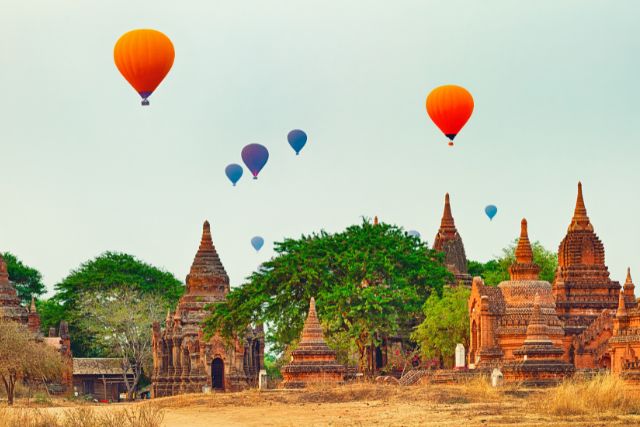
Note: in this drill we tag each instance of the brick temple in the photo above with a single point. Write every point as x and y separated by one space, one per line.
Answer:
448 240
183 360
312 361
538 332
11 307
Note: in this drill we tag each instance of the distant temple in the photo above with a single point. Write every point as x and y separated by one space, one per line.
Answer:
539 333
312 361
448 240
183 360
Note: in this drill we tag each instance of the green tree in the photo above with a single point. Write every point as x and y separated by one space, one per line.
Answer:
369 281
119 331
109 271
446 323
497 270
27 280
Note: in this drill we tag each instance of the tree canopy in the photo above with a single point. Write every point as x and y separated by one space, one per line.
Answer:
497 270
27 280
446 323
369 281
107 272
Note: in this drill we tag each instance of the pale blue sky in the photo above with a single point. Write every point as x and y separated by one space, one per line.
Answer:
86 169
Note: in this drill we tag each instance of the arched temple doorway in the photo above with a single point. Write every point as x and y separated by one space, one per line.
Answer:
217 374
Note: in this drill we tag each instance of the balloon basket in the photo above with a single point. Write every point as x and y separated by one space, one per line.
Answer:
255 177
145 102
450 143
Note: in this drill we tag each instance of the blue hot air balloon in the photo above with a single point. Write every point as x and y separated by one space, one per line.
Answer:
413 233
233 172
491 211
257 243
297 139
255 156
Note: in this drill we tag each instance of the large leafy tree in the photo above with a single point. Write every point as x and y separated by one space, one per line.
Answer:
27 280
445 324
107 272
119 331
369 281
497 270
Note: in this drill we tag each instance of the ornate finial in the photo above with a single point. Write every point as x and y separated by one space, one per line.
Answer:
524 267
33 305
628 281
3 265
375 220
312 305
206 240
580 220
622 307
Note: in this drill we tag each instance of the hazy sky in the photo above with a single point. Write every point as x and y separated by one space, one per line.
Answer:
86 169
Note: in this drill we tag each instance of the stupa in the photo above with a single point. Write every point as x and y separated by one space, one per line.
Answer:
312 361
10 305
538 361
448 240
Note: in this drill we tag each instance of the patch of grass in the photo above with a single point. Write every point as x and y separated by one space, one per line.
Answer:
599 395
140 416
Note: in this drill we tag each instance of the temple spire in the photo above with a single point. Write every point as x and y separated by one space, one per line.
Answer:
524 267
580 220
447 218
32 309
312 331
622 307
375 220
629 288
206 241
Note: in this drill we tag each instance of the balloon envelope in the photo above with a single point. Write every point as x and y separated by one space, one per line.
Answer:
413 233
144 57
491 211
255 156
257 242
233 172
297 139
450 108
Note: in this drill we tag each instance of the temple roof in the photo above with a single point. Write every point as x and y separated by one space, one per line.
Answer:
448 240
312 331
207 274
580 220
10 307
524 268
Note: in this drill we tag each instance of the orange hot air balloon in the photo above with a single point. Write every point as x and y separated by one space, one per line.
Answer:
450 107
144 57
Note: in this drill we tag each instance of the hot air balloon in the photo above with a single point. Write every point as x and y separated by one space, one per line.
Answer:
257 243
450 107
255 156
144 57
491 211
297 139
233 172
413 233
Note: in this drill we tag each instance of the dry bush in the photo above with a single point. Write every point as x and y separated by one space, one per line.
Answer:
24 417
146 415
598 395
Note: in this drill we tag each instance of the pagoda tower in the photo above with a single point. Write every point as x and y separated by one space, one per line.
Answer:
10 307
312 361
448 240
582 287
183 360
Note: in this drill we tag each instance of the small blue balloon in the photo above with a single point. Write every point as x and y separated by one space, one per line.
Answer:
491 211
297 139
413 233
257 243
233 172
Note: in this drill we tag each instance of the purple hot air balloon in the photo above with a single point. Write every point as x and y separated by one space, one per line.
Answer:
255 156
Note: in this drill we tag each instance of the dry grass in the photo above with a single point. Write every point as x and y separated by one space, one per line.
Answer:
603 394
141 416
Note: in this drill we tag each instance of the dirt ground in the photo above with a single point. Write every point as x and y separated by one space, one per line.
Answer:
368 405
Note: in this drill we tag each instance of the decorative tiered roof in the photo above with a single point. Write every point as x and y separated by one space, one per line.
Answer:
524 267
10 307
582 286
207 275
312 360
448 240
